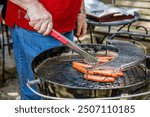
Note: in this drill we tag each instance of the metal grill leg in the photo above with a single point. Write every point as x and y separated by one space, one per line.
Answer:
5 32
3 54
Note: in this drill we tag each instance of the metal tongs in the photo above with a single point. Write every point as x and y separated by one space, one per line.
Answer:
88 58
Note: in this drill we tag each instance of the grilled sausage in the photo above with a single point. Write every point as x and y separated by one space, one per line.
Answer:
109 73
81 65
103 61
80 69
98 78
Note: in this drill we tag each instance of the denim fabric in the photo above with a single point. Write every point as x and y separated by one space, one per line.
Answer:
28 44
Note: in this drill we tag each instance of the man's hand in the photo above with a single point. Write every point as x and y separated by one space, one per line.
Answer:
81 28
40 18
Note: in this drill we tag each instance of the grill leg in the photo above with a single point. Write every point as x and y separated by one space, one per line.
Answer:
3 54
5 37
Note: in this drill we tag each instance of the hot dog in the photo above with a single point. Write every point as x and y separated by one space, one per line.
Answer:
98 78
81 65
80 69
105 57
109 73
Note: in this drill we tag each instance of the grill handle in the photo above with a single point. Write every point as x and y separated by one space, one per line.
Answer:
123 96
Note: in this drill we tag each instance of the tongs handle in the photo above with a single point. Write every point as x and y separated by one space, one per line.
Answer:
58 36
87 57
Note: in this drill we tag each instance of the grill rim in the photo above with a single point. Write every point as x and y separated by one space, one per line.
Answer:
144 82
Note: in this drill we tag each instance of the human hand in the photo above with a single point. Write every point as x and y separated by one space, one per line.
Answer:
81 28
40 18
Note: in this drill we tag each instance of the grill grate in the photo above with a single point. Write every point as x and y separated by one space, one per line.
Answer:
128 54
62 73
56 67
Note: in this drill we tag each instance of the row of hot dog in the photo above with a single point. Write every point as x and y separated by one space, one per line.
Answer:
98 75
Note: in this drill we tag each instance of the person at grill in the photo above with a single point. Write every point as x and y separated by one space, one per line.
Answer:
31 22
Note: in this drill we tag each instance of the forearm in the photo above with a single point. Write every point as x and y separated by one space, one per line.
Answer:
25 4
82 9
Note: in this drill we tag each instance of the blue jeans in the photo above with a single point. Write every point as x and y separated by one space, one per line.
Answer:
28 44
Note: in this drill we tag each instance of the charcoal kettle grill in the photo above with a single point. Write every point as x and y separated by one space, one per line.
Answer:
58 80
